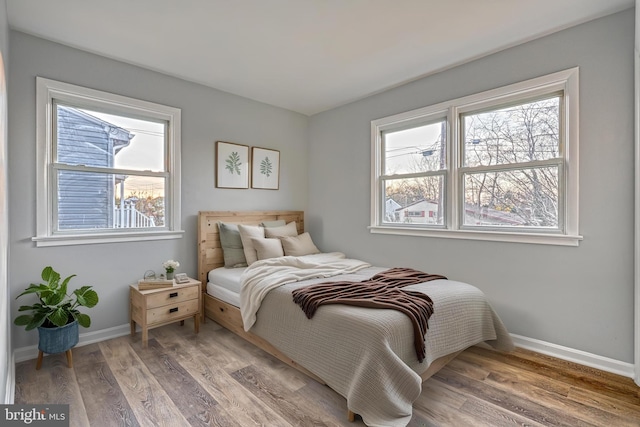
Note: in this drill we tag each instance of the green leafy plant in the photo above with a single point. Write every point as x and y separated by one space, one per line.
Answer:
55 307
266 168
233 163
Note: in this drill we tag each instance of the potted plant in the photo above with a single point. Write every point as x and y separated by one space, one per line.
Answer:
56 314
170 266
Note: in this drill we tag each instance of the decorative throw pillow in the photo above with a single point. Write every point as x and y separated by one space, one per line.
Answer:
299 245
268 248
231 243
248 232
287 230
276 223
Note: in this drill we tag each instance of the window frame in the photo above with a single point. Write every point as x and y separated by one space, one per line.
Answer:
431 116
48 94
565 82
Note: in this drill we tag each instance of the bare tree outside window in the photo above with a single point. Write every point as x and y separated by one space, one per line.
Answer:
499 165
512 164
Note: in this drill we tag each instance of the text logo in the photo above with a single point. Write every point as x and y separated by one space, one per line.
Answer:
34 415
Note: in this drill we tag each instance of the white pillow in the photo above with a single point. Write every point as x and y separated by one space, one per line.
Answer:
268 248
248 232
299 245
286 230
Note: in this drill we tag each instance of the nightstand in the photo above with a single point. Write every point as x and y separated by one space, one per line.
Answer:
157 307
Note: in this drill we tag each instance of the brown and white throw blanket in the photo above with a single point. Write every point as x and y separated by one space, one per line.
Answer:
384 290
267 274
365 355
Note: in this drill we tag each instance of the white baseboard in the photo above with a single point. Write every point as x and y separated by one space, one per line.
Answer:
572 355
565 353
31 352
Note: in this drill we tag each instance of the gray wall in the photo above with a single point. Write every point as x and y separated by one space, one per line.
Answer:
6 350
578 297
208 115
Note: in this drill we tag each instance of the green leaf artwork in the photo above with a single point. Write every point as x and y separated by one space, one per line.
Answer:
266 167
233 163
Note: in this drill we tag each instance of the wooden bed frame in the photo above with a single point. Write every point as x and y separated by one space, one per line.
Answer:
210 256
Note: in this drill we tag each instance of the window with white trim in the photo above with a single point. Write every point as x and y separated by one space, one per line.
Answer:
108 167
500 165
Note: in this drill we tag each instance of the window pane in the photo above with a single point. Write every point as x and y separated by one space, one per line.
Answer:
520 198
89 200
417 149
97 139
415 200
519 133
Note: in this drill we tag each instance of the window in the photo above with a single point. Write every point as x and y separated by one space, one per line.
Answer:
108 167
500 165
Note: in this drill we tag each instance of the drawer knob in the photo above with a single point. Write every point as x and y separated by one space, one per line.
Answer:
173 294
173 310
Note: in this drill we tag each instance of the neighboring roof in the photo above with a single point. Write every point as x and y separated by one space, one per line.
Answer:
416 203
121 137
492 214
392 204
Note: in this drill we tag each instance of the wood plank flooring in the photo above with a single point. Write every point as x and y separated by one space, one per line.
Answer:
215 378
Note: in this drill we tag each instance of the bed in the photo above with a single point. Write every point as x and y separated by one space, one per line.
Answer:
360 353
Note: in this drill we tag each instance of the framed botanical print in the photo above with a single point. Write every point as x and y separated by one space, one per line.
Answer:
265 170
232 165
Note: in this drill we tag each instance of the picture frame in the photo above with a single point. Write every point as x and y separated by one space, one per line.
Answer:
265 170
232 165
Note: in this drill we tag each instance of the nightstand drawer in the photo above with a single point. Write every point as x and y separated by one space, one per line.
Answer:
172 296
172 311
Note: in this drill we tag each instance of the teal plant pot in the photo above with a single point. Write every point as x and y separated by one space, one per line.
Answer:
58 340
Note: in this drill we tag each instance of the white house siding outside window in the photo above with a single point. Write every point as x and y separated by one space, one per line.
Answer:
108 167
500 165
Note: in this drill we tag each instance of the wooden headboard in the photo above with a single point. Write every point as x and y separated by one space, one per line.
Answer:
209 249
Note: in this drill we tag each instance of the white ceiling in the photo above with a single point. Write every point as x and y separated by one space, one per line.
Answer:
303 55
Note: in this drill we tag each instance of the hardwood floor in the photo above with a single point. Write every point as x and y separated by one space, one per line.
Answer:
215 378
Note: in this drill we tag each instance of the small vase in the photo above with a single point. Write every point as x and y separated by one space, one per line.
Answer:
169 275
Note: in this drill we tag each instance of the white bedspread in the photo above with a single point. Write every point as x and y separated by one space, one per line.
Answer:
367 355
265 275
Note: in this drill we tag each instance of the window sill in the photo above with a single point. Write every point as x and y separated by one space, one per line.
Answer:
91 239
493 236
